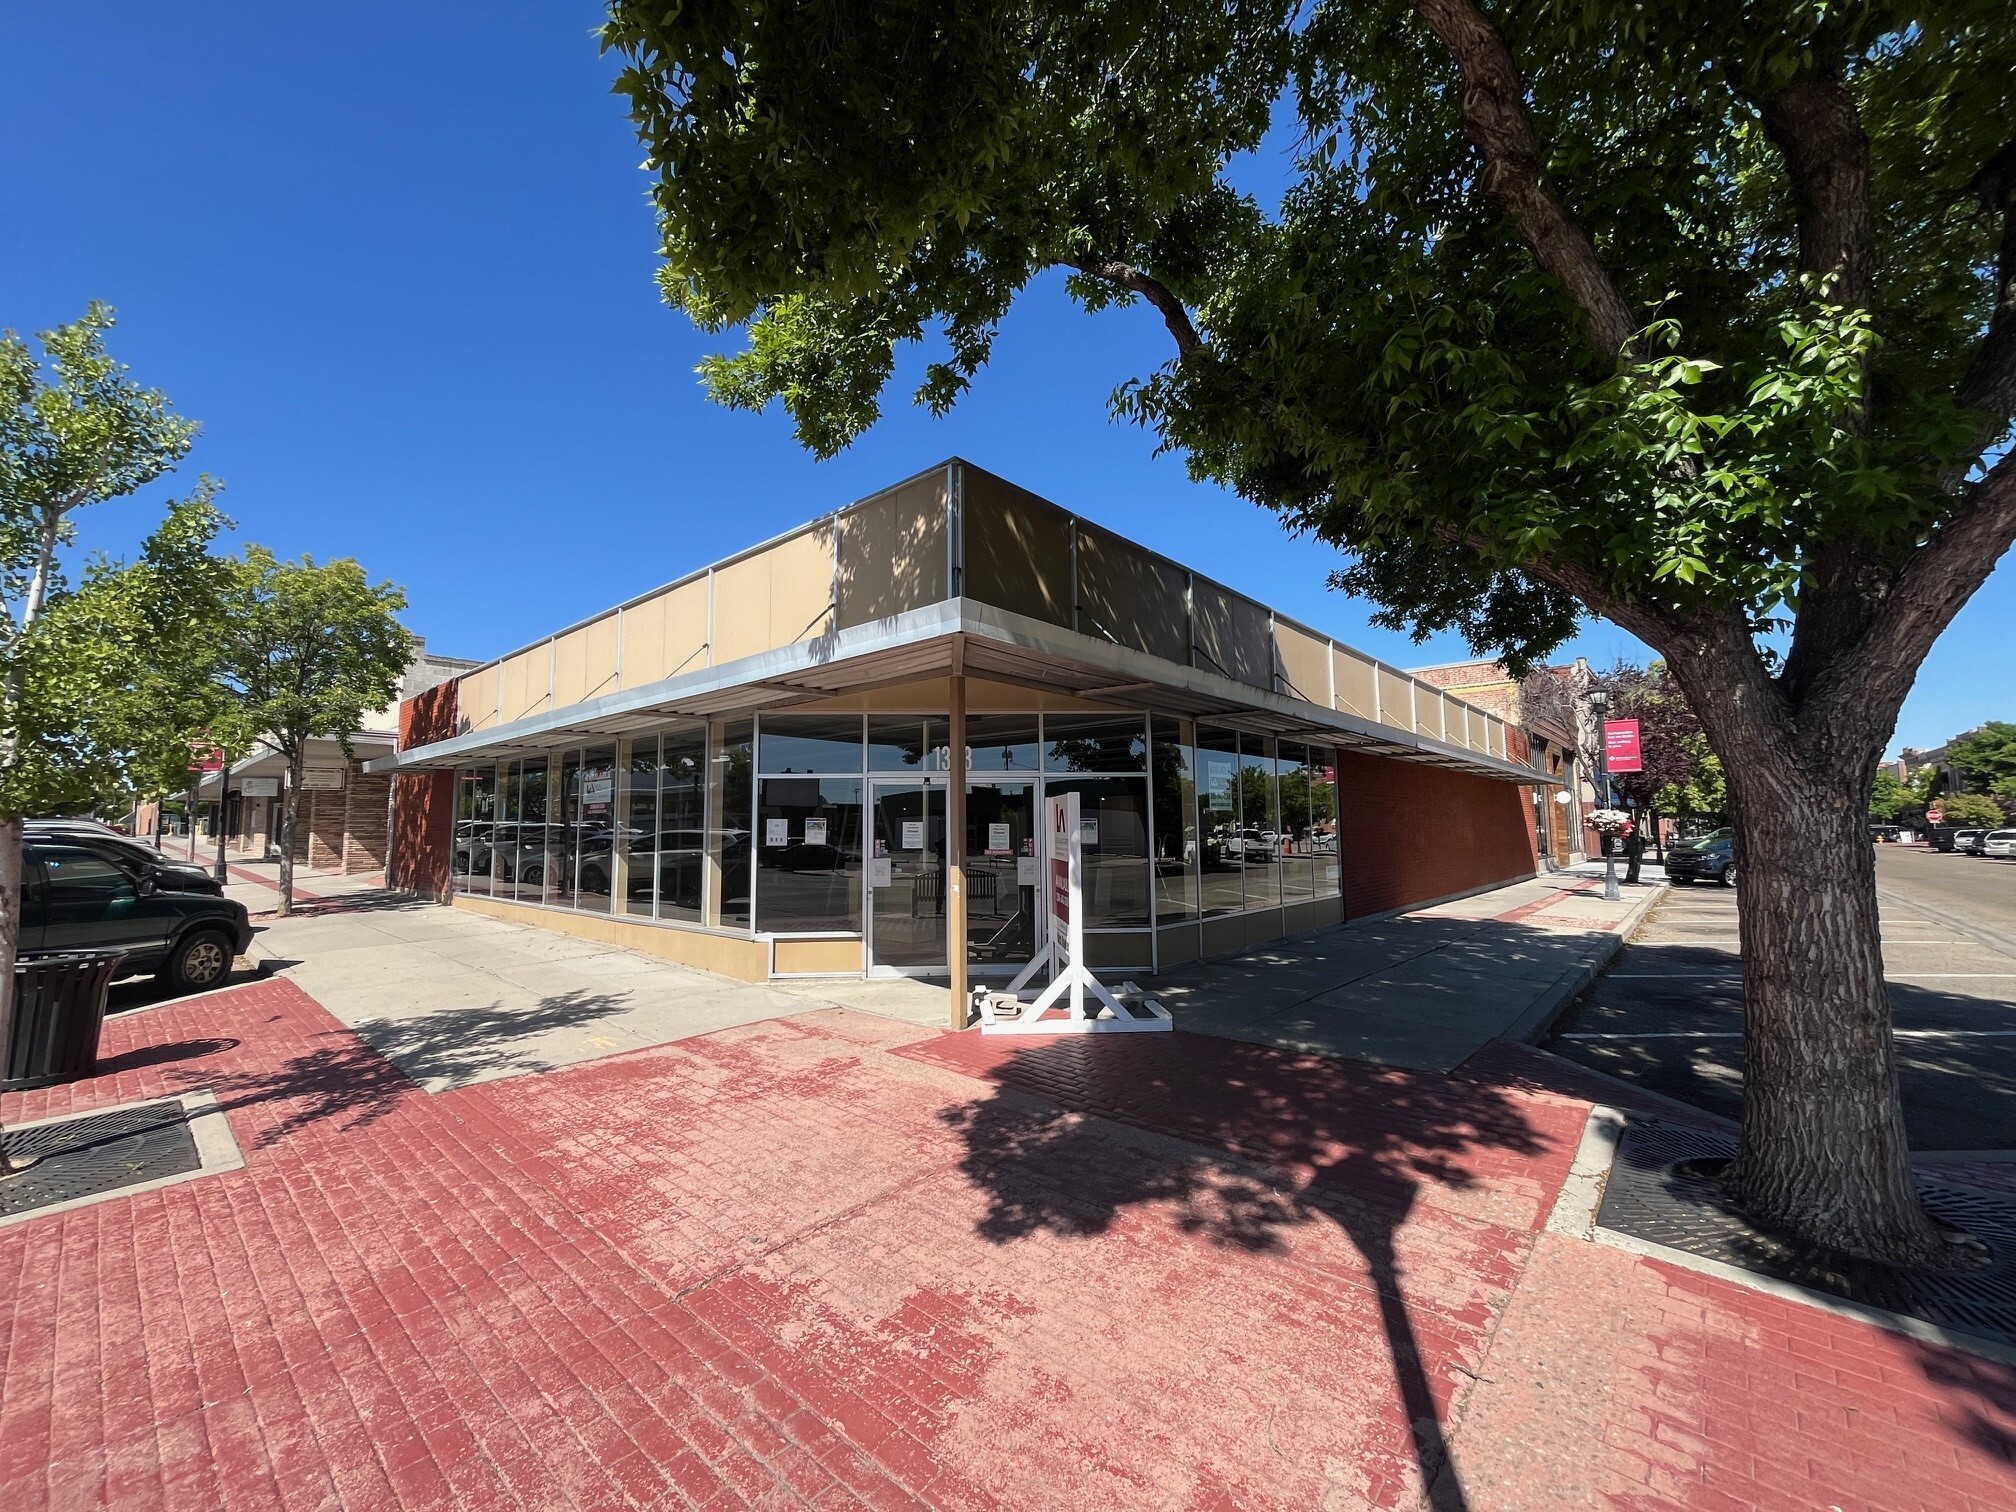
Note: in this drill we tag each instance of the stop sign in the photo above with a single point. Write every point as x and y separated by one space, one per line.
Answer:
1935 816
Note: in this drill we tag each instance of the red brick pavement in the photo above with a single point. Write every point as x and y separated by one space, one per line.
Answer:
781 1265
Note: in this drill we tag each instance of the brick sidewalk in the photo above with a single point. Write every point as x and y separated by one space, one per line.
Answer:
836 1260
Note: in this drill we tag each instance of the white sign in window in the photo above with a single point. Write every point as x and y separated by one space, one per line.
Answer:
1088 830
880 871
1025 871
815 831
913 835
776 831
998 842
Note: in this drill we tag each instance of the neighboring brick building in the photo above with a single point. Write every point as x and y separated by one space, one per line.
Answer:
1550 704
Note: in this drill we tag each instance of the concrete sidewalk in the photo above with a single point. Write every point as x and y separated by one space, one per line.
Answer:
1425 989
451 997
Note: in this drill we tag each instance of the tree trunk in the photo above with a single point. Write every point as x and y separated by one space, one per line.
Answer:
1823 1149
290 815
10 939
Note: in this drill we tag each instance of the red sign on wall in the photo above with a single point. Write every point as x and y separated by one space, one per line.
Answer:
1620 746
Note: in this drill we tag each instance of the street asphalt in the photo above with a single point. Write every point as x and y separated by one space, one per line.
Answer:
1668 1014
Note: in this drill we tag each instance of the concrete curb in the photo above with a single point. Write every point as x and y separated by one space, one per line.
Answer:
1533 1025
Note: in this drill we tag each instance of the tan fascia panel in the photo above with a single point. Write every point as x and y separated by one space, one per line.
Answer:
655 703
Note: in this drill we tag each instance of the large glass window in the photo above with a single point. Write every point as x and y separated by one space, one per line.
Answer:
809 743
639 839
475 828
1220 845
504 858
1298 784
735 773
593 818
1259 821
566 831
1113 814
808 833
906 743
540 865
682 839
1323 836
1080 743
1001 743
1172 788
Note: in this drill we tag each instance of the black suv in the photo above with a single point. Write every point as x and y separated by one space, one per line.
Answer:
169 874
81 893
1712 858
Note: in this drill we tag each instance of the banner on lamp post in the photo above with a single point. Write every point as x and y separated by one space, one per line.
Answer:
1621 749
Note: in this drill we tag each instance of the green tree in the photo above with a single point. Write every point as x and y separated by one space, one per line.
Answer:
2004 792
1889 799
311 650
1985 756
104 678
1702 319
1970 811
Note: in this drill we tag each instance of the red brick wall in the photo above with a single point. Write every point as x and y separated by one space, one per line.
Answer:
1411 832
423 803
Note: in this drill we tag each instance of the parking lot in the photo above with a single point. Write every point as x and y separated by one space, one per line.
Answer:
1668 1015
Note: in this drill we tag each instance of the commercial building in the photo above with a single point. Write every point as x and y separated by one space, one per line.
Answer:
828 755
345 817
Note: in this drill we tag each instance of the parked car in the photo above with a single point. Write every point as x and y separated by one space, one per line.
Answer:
2000 843
169 874
1709 860
1968 842
78 894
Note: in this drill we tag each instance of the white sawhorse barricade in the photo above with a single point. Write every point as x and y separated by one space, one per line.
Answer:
1075 1001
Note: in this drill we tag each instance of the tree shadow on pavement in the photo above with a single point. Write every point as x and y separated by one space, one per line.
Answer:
457 1045
161 1055
1315 1139
1978 1397
362 1075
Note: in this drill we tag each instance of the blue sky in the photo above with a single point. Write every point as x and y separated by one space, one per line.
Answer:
398 261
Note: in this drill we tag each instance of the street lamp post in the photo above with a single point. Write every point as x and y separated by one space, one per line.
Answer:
223 871
1599 703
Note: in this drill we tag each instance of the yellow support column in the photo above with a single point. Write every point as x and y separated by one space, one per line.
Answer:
955 847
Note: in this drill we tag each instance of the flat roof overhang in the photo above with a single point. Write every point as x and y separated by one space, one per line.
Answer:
956 635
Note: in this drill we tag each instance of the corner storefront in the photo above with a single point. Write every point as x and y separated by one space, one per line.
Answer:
827 755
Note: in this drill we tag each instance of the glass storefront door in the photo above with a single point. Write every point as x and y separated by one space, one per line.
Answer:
906 878
1001 839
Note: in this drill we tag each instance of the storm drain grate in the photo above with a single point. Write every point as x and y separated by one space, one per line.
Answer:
97 1153
1659 1192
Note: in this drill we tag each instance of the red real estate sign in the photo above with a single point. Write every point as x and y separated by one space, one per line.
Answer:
1620 746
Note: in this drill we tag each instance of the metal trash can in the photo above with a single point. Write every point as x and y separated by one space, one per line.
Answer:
59 1007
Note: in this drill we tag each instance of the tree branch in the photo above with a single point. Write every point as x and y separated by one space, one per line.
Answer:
1816 128
1990 384
1494 116
1873 678
1123 275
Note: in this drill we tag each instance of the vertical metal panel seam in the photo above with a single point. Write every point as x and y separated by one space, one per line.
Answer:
1190 622
1074 571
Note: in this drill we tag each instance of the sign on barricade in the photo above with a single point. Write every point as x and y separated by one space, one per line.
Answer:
1075 1001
